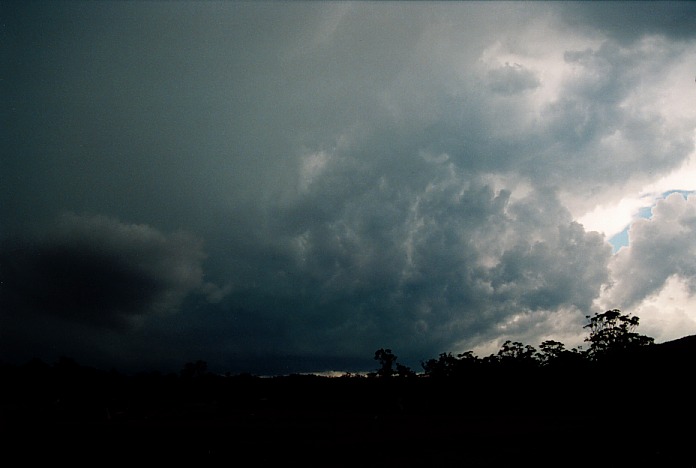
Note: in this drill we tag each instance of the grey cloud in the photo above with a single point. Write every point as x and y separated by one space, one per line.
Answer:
597 134
337 159
659 247
216 115
562 270
628 21
512 79
422 267
100 271
600 134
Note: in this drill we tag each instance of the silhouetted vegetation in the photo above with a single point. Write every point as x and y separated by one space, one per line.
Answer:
623 401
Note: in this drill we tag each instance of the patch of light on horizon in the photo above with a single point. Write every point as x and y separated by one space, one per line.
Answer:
564 325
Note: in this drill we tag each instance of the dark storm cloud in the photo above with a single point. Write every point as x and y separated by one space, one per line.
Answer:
363 174
419 267
110 105
99 271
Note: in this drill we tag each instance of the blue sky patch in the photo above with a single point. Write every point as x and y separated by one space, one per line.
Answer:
621 239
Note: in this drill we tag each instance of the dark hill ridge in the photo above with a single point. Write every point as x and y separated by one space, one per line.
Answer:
685 345
669 356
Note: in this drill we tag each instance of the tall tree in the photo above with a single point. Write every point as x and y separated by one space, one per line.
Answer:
514 353
386 359
613 332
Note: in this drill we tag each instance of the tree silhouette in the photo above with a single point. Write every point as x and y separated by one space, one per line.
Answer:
550 351
517 355
448 365
194 369
386 359
404 371
553 354
613 332
444 366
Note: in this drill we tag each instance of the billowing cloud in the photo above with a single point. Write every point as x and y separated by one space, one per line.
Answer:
369 261
659 248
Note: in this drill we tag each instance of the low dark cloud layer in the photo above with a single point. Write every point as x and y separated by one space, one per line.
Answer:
349 176
100 271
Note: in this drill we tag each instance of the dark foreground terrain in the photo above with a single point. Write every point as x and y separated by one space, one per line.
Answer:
634 413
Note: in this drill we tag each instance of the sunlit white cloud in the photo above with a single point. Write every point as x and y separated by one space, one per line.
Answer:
613 219
655 274
670 313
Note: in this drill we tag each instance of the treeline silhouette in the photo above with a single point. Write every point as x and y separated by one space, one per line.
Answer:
622 401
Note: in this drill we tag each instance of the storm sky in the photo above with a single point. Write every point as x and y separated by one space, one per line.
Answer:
281 187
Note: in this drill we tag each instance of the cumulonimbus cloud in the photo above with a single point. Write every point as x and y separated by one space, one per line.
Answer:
423 266
365 175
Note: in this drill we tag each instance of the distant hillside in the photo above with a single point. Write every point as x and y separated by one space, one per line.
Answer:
686 344
672 353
